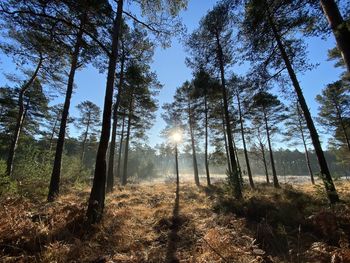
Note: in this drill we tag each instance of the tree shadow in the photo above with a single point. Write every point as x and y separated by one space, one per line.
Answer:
173 237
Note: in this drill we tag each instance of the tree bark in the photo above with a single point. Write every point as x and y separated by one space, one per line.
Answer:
325 174
193 144
226 146
177 166
126 149
238 162
84 140
339 27
264 161
249 171
20 119
237 185
54 187
274 174
120 149
97 196
307 157
206 140
53 134
110 175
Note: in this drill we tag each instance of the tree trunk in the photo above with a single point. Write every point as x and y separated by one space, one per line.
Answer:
238 163
307 158
54 188
110 175
249 171
339 27
97 196
126 149
274 174
325 174
20 119
177 166
206 140
226 146
262 148
53 134
237 185
120 149
84 140
193 144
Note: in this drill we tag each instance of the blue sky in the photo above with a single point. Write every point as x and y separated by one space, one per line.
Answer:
169 64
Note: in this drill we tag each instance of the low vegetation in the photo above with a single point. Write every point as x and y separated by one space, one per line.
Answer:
150 223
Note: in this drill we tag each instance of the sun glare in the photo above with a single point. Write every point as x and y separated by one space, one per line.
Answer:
176 136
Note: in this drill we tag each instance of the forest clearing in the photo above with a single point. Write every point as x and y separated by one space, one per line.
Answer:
150 223
154 131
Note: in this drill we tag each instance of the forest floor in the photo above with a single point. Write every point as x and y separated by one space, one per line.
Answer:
157 223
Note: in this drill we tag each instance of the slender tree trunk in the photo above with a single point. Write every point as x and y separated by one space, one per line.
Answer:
20 119
84 140
97 196
206 162
177 166
307 158
120 149
226 146
110 175
249 171
325 174
193 144
262 148
53 134
54 188
238 163
237 185
274 174
339 28
126 149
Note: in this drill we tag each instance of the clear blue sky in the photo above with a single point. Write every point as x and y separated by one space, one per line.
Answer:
169 64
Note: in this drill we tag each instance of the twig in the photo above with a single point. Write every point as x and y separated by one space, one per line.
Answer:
210 246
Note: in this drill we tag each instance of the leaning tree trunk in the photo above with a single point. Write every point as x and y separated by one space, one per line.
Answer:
249 171
20 119
120 149
110 174
54 188
307 157
193 144
325 174
97 196
126 149
274 174
339 27
206 162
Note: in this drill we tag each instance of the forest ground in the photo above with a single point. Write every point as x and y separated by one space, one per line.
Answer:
156 223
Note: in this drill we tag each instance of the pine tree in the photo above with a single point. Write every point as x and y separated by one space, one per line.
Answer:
89 120
334 110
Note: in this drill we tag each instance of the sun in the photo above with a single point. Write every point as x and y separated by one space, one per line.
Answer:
176 136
